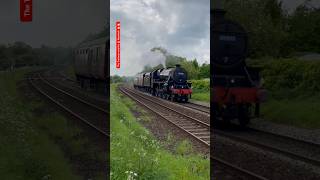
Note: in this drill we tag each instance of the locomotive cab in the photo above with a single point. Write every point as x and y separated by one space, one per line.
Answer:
176 85
235 86
168 83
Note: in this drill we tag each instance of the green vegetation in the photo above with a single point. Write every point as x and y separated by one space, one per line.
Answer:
194 70
198 75
26 151
69 71
101 34
201 90
121 79
20 54
275 32
34 139
136 154
301 112
293 87
294 77
275 37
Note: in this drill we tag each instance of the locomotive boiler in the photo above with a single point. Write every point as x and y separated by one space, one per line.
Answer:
236 88
168 83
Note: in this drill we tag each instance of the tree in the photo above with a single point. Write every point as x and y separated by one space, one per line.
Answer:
304 29
265 23
192 70
172 61
4 60
101 34
116 79
192 67
273 8
204 71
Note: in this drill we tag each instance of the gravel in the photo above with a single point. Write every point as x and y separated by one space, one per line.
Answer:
161 128
204 117
267 164
298 133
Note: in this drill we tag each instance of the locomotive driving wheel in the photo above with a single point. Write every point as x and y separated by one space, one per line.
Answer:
244 114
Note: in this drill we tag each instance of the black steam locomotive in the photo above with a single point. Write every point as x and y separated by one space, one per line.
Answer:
236 88
170 83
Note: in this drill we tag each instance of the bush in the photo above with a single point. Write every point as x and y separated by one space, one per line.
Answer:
201 85
291 77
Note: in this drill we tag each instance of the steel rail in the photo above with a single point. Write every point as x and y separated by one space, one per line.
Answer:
194 106
66 108
154 111
270 148
70 95
173 110
243 171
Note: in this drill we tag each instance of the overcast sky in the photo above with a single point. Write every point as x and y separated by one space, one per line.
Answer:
180 26
55 22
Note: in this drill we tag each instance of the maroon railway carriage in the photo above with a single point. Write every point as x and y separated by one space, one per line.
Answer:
91 64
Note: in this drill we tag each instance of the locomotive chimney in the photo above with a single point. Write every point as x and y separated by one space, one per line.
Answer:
217 11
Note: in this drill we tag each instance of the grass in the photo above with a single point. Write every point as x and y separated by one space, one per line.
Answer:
293 87
30 146
69 71
201 90
302 112
201 96
136 154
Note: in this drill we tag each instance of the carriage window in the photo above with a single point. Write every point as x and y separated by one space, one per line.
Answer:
90 55
97 54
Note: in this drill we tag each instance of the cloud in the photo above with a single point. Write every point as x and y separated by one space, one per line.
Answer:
55 22
180 26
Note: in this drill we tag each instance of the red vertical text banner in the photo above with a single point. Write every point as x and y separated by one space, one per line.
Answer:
25 10
118 44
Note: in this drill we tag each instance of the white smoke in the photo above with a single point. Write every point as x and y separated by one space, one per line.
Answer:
154 58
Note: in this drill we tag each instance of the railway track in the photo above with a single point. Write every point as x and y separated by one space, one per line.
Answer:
196 114
237 138
197 107
73 88
193 106
86 112
306 152
193 127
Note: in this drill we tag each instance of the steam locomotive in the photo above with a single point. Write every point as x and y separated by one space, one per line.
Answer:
168 83
236 87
